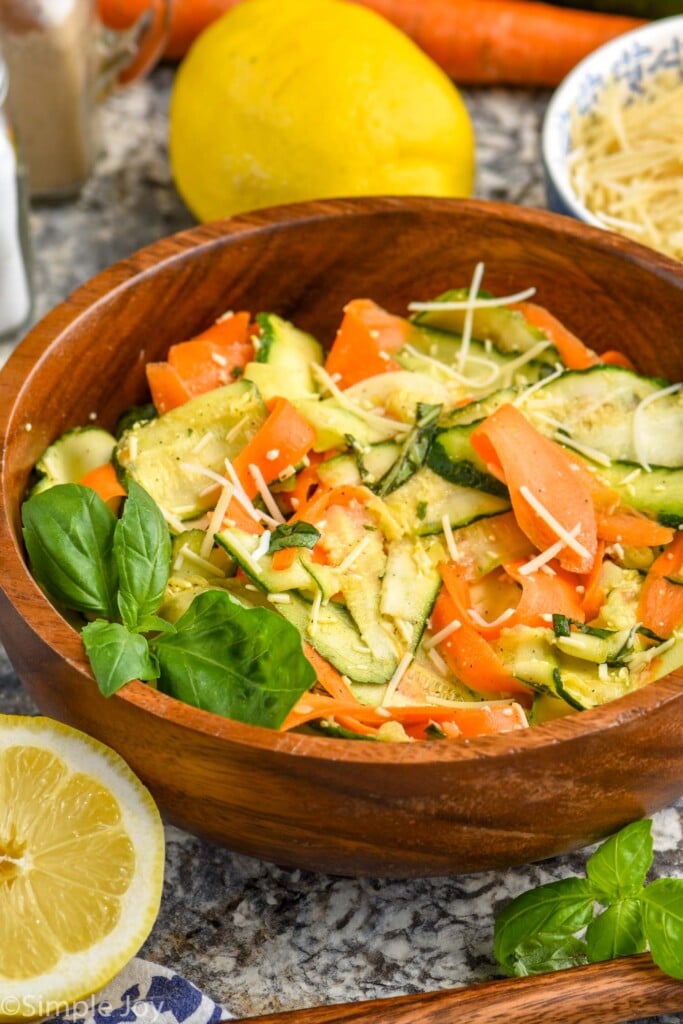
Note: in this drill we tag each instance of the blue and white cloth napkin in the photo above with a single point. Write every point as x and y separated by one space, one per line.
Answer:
145 993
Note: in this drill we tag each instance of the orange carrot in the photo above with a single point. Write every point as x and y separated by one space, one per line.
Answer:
614 358
471 720
167 388
514 41
468 655
314 509
205 365
237 515
366 337
502 41
594 590
282 441
306 481
542 595
104 481
328 676
537 470
661 600
630 528
574 354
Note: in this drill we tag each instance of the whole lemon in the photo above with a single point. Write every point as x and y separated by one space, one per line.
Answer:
282 100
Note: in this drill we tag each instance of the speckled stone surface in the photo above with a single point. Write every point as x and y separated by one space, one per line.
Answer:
256 937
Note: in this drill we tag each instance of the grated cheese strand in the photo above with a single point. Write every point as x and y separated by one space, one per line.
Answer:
584 449
371 418
398 675
216 521
443 634
505 300
355 553
262 487
549 519
541 560
449 538
537 386
187 554
469 316
481 621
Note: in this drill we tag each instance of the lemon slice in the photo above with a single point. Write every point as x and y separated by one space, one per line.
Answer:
81 866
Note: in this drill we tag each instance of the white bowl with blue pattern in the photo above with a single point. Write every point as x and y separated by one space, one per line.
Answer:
632 59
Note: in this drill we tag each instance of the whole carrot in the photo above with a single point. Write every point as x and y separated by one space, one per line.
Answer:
516 42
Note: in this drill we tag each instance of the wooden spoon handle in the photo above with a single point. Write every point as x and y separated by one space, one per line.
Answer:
604 993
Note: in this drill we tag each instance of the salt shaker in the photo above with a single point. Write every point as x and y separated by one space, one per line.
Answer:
15 282
62 61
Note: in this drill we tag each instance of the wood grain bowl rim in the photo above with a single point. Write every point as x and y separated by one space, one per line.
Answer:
82 305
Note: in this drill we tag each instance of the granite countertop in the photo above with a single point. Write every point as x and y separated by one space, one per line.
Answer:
256 937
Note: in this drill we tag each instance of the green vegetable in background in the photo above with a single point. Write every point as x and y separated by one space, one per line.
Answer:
245 663
610 913
632 8
293 535
414 449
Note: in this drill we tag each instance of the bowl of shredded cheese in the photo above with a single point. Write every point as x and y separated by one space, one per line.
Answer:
613 138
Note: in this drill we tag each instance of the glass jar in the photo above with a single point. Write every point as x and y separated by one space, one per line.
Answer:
62 61
15 277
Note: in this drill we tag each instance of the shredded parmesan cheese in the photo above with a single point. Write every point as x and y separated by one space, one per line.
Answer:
479 620
569 537
392 426
355 553
537 386
443 634
540 561
438 662
216 522
393 683
262 487
469 316
187 554
627 162
449 538
583 449
505 300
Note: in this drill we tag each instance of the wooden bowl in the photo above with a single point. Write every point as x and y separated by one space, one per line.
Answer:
339 806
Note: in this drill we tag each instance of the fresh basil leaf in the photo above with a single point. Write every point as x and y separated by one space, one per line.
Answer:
142 549
155 624
618 867
546 953
558 908
662 906
293 535
562 626
116 655
69 535
243 663
617 931
413 451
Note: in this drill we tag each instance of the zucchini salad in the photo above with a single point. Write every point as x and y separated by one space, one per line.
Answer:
451 524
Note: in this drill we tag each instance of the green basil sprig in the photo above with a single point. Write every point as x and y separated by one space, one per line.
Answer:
244 663
611 912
